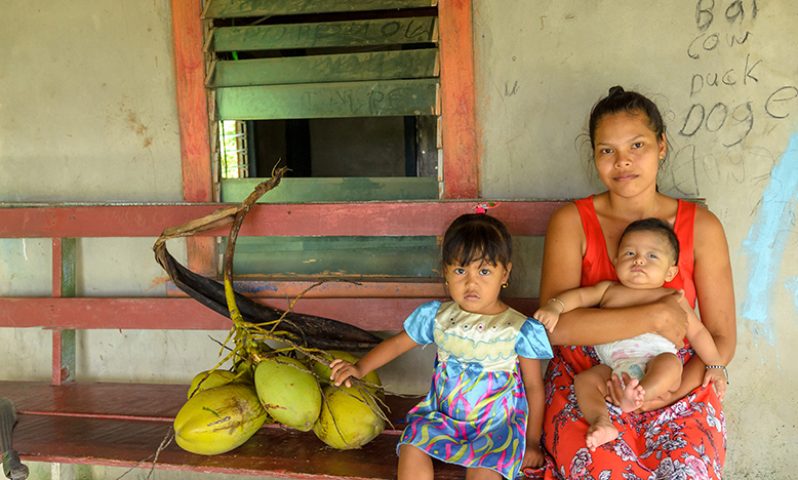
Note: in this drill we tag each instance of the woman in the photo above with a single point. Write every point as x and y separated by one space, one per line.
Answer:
683 436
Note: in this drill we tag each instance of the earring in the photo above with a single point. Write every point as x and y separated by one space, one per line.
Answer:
446 282
504 285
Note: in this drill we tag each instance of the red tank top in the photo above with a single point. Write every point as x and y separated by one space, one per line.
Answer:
596 264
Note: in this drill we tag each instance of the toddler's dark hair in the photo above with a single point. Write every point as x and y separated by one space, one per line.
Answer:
619 100
655 225
476 236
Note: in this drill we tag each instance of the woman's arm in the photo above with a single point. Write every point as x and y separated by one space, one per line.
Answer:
715 292
383 353
533 384
562 267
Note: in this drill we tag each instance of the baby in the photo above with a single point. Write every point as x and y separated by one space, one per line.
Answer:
648 254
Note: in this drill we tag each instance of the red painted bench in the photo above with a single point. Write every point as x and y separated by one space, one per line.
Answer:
123 424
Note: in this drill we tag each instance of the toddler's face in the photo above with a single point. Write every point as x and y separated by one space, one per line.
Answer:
476 286
645 260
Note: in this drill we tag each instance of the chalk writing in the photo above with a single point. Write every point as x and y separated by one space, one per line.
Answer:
735 11
711 43
509 91
728 77
731 121
774 106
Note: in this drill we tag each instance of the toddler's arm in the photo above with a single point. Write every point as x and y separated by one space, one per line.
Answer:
533 384
383 353
549 314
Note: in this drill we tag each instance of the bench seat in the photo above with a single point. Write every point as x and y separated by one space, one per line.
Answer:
122 425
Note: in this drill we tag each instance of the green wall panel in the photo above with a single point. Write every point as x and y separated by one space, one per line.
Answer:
337 256
350 33
329 189
329 100
254 8
327 68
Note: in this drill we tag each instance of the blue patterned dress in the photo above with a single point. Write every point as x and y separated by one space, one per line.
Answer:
475 412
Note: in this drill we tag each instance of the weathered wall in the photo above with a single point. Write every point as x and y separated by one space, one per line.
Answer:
87 113
725 77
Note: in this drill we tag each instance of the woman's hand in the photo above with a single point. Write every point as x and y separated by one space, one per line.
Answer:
341 370
717 378
670 317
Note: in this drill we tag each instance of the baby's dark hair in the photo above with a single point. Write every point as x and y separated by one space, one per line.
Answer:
619 100
476 236
655 225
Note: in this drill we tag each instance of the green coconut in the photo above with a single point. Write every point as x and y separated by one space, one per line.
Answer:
288 391
347 421
210 379
218 420
323 371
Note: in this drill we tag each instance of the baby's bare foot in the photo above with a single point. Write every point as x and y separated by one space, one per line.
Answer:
600 433
633 396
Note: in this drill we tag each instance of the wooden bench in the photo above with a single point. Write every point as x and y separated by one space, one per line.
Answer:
123 424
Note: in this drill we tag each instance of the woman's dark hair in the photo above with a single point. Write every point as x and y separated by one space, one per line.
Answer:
476 236
655 225
619 100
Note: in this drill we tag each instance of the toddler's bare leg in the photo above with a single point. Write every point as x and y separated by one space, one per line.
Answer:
663 374
414 464
482 474
591 389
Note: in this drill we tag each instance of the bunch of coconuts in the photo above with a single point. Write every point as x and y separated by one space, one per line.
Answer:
225 408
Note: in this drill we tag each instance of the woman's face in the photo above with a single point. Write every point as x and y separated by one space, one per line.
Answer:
627 153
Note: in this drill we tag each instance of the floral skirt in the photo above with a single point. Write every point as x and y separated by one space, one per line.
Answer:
686 440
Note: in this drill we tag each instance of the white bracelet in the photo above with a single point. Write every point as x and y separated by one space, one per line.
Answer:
562 305
721 367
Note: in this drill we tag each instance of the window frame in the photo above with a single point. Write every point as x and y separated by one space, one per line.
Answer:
460 175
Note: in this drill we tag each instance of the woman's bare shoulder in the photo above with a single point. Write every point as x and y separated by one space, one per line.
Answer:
707 225
566 216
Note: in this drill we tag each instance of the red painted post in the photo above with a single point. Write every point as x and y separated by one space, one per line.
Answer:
461 175
192 109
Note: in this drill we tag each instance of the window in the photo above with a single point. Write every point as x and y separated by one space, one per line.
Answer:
454 128
330 89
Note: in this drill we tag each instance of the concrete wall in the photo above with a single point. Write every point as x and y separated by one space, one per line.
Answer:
87 113
541 67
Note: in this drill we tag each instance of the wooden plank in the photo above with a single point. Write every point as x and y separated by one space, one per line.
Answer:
335 189
347 257
351 33
271 452
461 154
329 100
389 65
257 8
64 345
286 287
430 218
127 401
188 314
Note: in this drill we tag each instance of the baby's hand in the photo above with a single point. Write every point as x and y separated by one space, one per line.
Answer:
533 458
717 378
548 315
341 370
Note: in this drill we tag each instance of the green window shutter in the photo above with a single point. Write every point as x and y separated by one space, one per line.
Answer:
328 59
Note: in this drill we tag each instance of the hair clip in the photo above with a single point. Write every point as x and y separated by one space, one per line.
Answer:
482 208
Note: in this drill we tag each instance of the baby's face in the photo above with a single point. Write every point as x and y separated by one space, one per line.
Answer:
645 260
